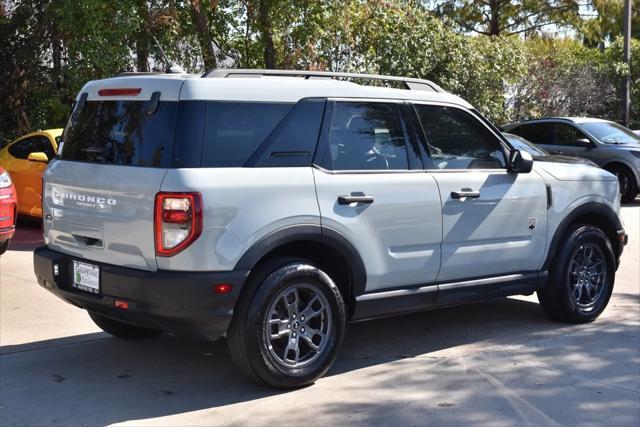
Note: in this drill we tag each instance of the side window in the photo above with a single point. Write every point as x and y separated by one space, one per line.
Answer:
22 149
538 133
566 134
365 136
234 130
457 140
42 144
294 140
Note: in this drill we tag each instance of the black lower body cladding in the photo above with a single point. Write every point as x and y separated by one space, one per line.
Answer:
182 303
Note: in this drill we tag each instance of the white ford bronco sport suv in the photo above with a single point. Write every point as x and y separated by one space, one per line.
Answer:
274 208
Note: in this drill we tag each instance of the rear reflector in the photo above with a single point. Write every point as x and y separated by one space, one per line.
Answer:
178 221
122 305
120 92
222 288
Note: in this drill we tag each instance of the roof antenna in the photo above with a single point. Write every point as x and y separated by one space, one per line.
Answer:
171 68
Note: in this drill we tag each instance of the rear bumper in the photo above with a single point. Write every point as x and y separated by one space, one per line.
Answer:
182 303
7 233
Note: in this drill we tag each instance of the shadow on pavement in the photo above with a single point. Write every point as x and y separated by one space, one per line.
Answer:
28 235
94 379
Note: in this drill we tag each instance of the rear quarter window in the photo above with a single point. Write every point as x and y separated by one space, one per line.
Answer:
235 130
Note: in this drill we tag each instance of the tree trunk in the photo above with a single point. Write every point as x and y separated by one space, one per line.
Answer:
494 22
56 56
142 38
267 33
204 36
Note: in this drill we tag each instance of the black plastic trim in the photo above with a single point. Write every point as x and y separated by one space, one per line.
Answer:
405 300
180 302
308 233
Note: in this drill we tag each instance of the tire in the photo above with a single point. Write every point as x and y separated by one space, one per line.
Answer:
123 330
581 276
271 341
4 246
627 181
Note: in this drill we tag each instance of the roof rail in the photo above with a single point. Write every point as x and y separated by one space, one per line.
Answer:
409 83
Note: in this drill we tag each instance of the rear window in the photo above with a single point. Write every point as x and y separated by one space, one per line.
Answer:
130 133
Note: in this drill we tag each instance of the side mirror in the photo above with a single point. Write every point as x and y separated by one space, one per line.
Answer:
38 157
520 161
583 142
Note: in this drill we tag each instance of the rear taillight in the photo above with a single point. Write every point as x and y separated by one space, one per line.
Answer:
5 180
178 221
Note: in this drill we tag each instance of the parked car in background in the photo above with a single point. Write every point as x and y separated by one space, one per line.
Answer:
540 154
610 145
8 207
26 159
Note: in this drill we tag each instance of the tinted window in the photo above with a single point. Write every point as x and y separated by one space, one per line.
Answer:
365 136
35 144
609 132
566 134
457 140
121 133
234 130
189 134
538 133
294 140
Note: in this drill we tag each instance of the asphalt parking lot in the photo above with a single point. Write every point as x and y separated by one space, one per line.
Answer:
500 362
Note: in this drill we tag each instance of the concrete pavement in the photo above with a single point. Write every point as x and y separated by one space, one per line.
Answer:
495 363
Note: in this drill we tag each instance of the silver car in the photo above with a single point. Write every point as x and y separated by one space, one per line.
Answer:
610 145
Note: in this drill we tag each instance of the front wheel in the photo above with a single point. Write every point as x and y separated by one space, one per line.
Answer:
123 330
627 183
289 326
581 276
4 246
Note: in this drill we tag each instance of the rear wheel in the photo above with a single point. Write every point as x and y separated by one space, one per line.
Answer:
581 276
4 246
627 182
289 325
123 330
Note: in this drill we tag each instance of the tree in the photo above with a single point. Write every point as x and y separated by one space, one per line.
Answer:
505 17
603 22
203 32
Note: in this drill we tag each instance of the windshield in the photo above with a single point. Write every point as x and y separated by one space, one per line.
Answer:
522 144
611 133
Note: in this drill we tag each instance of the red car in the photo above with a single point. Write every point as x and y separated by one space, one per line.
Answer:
8 207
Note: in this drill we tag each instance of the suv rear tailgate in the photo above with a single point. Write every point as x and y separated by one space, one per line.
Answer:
103 213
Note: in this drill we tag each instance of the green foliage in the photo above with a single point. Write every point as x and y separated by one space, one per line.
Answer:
505 17
50 49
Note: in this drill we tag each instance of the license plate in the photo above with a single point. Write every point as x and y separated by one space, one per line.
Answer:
86 277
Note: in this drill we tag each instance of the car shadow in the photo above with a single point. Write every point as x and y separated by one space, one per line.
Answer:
95 379
634 203
28 235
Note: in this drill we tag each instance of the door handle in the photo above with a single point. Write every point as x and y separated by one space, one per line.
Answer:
356 197
465 193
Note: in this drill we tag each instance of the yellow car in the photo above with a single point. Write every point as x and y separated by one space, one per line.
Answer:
26 159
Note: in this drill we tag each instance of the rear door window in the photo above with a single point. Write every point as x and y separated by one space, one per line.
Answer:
538 133
365 136
235 130
129 133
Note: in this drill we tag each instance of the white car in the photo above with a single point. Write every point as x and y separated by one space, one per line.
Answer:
277 207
